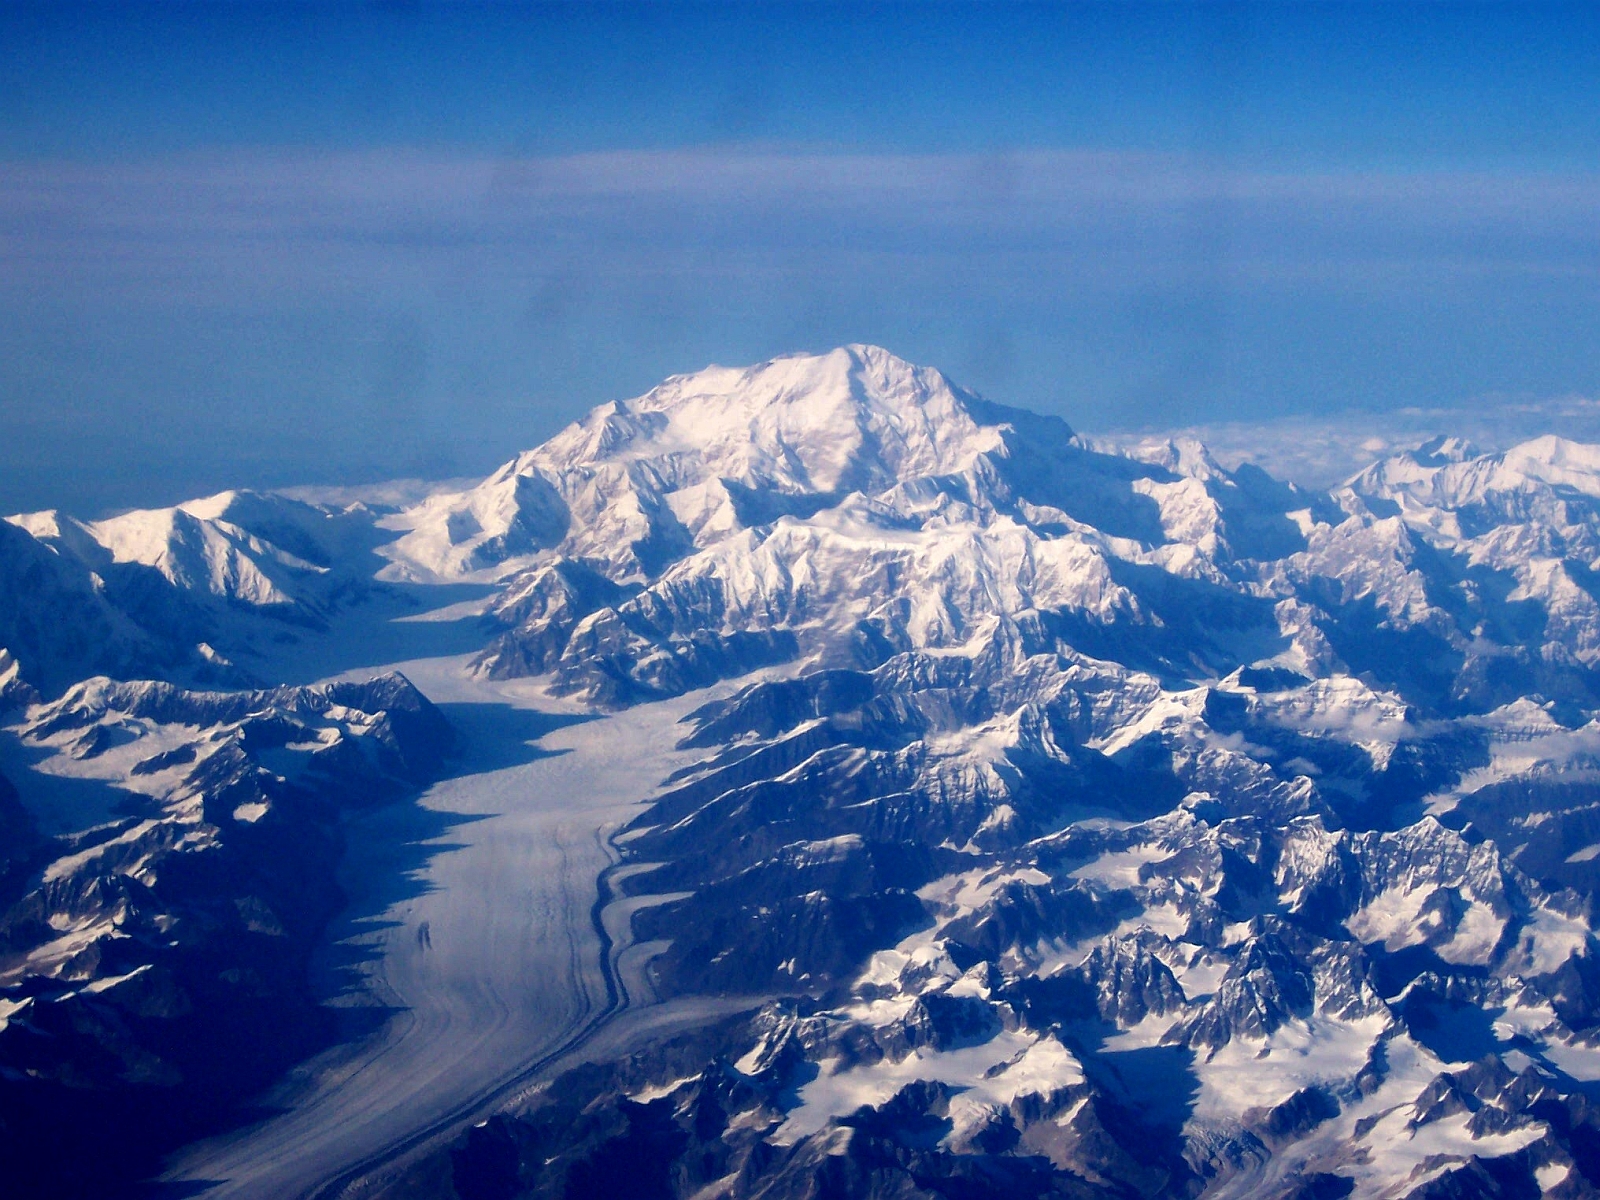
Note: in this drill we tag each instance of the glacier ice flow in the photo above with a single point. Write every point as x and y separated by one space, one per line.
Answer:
1043 818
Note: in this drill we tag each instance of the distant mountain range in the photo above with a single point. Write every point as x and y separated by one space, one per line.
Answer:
1078 821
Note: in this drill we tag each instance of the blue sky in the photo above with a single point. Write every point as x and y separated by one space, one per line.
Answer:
260 245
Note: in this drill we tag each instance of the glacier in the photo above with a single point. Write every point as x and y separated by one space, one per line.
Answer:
969 807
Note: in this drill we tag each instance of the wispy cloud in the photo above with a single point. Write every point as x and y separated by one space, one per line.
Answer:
330 220
289 314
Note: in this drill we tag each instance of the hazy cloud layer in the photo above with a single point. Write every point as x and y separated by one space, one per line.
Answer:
267 316
1323 451
260 219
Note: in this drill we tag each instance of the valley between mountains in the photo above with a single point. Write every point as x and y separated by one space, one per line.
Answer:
811 779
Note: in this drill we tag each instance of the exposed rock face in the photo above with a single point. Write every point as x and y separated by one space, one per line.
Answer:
844 507
15 691
152 965
1098 823
1075 823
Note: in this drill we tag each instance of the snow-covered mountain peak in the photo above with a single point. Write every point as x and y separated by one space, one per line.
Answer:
1452 473
700 456
856 418
1557 461
238 546
162 589
1442 449
1041 780
1185 456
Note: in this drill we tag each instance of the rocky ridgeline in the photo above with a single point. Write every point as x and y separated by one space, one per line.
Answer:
1099 822
999 971
192 593
1082 821
153 961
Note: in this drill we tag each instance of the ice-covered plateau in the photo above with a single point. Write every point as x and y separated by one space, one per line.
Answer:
1064 822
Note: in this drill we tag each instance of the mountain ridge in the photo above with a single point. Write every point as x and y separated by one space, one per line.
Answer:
1080 819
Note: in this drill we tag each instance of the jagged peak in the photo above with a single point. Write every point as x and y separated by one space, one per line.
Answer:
1181 455
1442 449
91 699
45 524
1451 472
800 371
802 419
681 462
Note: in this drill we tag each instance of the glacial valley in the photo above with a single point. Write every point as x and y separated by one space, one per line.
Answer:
812 779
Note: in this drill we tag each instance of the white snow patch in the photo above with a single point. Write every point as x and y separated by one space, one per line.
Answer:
1576 1058
1011 1064
969 891
1247 1073
1120 868
1526 741
656 1092
1549 1175
1548 939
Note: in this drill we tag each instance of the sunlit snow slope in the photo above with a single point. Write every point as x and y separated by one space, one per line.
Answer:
1044 820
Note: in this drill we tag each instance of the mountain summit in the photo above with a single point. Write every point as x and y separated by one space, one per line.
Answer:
695 457
1012 815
